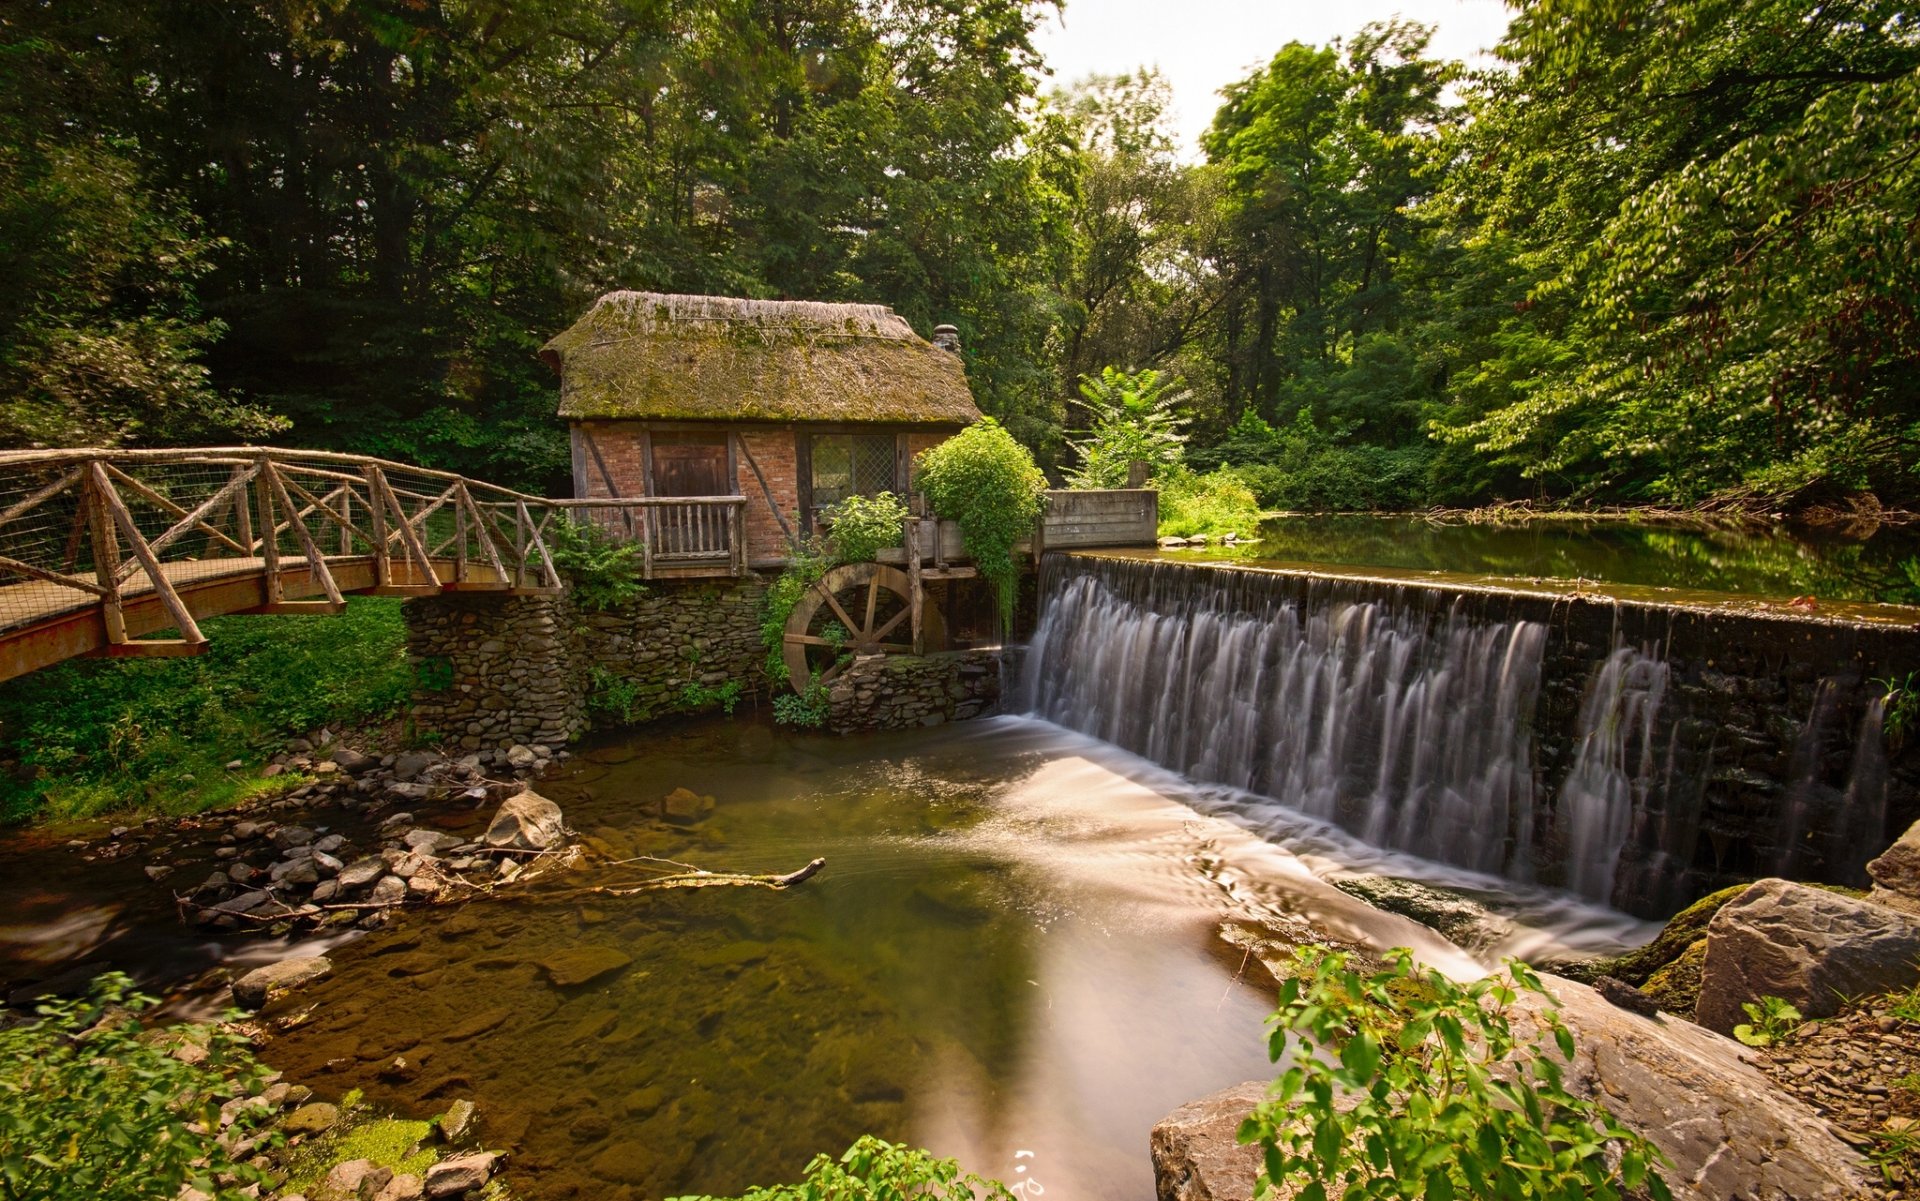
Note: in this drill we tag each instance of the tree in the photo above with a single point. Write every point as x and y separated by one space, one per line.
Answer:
1135 418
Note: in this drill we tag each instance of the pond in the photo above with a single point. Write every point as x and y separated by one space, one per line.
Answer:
1014 956
1831 562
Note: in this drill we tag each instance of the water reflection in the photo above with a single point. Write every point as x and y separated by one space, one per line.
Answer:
1012 957
1779 560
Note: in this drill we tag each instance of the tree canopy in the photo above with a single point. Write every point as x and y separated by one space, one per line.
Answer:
1655 252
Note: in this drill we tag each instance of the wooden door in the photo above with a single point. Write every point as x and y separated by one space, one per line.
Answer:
690 465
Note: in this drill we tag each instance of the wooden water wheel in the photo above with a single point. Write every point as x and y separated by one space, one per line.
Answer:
855 609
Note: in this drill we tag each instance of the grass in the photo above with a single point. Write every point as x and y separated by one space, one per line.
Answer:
143 736
1215 504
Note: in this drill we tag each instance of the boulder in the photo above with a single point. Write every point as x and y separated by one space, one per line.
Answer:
311 1119
685 807
521 757
391 890
1897 870
404 1187
432 842
457 1121
262 984
460 1174
1195 1154
1726 1129
527 822
361 872
353 762
289 837
582 965
1805 945
408 765
353 1180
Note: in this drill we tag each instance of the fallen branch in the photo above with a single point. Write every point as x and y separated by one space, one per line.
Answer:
705 879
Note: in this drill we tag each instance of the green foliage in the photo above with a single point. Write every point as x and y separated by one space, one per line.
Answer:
695 696
805 565
863 526
876 1170
987 482
394 1143
1906 1005
807 708
90 1107
1134 418
1217 503
1405 1084
1900 708
1769 1022
613 697
602 570
92 736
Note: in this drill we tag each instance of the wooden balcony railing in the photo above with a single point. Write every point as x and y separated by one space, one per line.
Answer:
678 535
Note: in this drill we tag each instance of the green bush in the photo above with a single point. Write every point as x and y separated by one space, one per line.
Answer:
988 483
863 526
1135 418
108 735
602 570
93 1108
695 696
808 707
806 564
876 1170
1404 1084
1217 503
613 697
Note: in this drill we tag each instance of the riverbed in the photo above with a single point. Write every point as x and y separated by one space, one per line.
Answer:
1013 956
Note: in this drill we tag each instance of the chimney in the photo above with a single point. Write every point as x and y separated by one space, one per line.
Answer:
947 338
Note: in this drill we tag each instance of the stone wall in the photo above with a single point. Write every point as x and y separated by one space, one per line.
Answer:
680 632
897 692
1766 755
495 670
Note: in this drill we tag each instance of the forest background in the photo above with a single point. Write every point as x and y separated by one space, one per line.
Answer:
1655 253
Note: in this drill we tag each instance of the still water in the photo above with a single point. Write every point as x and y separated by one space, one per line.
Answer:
1013 956
1864 562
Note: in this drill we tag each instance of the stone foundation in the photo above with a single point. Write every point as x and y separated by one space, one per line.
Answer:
897 692
495 670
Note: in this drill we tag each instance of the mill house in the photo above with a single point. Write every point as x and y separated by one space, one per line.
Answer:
725 427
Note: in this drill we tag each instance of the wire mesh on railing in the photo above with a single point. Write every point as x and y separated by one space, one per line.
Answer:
86 528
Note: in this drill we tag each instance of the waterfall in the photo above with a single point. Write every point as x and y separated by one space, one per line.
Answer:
1405 723
1613 767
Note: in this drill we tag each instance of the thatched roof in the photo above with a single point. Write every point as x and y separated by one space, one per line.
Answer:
653 356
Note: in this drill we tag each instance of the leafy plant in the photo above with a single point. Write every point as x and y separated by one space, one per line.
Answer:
91 1107
1404 1084
863 526
1214 504
988 483
695 696
601 570
613 696
805 565
1906 1005
1771 1021
808 708
1901 708
1135 417
876 1170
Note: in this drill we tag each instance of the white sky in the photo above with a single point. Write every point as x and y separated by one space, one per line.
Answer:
1203 45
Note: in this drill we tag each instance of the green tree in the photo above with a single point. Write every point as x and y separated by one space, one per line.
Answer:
1135 417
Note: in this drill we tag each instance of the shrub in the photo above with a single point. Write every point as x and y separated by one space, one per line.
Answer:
863 526
1773 1020
613 697
876 1170
602 570
695 696
805 566
91 1108
1216 503
808 707
1135 417
988 483
1404 1084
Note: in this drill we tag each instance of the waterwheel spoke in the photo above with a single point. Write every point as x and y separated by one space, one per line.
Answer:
808 640
873 603
893 623
846 622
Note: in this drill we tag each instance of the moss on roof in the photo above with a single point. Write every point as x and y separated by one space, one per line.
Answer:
649 355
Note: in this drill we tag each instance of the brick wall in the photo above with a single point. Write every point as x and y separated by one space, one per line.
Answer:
917 443
619 444
773 450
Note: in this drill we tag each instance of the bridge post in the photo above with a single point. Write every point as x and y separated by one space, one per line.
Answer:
106 558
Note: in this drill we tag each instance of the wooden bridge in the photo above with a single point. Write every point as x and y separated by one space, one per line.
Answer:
101 548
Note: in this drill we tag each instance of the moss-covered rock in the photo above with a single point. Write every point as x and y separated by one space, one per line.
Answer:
1676 986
